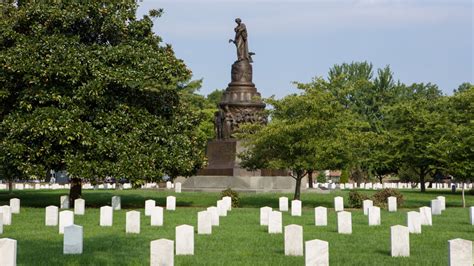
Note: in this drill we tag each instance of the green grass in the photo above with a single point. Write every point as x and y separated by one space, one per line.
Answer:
239 240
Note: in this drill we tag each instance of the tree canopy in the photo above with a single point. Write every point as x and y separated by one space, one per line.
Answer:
369 124
89 88
310 130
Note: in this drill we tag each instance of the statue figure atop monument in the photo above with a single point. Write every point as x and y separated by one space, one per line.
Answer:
241 102
241 42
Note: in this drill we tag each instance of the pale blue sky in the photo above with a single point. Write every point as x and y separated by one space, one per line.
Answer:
421 40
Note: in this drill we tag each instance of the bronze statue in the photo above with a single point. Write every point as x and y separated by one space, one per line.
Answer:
241 102
241 42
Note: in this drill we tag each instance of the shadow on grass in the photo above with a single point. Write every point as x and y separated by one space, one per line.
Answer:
383 252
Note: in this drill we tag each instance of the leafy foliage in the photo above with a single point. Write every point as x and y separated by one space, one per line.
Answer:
356 199
89 88
234 196
308 131
381 197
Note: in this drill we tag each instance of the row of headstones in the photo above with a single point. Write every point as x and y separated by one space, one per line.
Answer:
388 185
73 244
399 245
73 234
338 205
162 250
317 251
169 185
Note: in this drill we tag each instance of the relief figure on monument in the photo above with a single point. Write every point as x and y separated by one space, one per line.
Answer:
219 124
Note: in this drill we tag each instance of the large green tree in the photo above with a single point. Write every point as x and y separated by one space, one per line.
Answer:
307 131
366 93
415 126
89 88
456 148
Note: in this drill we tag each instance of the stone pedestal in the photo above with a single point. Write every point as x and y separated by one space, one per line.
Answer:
223 160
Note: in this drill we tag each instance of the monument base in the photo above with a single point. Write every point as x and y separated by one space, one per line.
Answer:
283 184
223 160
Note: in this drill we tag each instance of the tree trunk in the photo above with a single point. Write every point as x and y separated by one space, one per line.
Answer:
422 181
298 187
75 191
463 198
380 178
310 179
10 186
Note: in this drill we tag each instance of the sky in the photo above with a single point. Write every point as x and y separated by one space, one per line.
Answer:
421 40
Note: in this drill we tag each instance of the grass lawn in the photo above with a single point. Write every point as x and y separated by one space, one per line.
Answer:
239 240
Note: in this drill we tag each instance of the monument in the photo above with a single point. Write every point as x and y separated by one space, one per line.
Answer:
241 103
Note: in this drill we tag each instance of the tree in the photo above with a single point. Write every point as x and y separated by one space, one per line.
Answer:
456 147
356 86
307 131
414 128
89 88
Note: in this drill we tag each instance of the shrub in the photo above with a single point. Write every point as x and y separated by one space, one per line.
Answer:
381 197
233 194
344 177
321 177
356 198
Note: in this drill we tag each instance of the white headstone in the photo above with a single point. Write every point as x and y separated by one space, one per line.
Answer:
414 222
79 206
425 216
66 218
204 223
460 252
471 214
149 205
436 207
283 204
132 222
392 204
7 214
184 240
275 223
106 216
1 223
171 203
214 215
316 253
338 204
51 216
156 217
177 187
228 202
221 208
293 240
443 202
15 205
169 185
64 202
116 203
7 252
320 216
295 208
344 222
162 252
366 204
400 241
73 236
374 215
264 214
